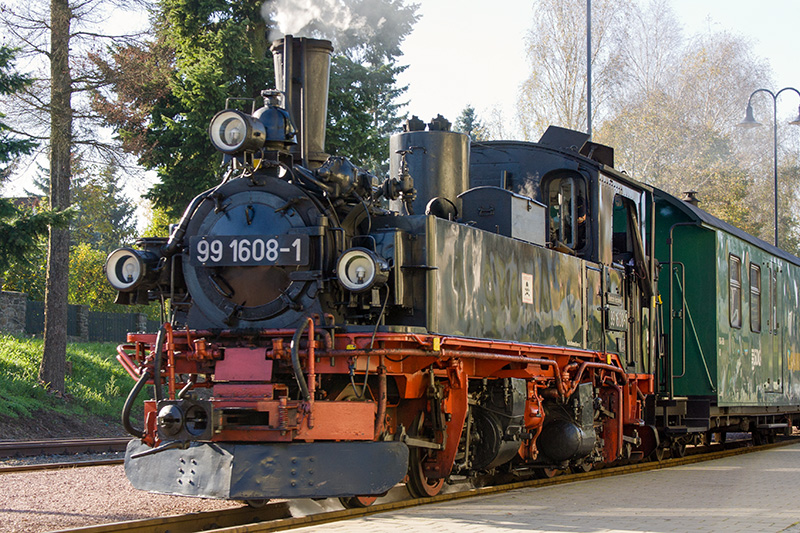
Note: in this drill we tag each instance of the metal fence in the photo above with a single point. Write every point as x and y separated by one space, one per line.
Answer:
114 326
102 326
34 318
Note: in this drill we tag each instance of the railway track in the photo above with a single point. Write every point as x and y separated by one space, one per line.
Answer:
32 448
15 469
22 449
277 517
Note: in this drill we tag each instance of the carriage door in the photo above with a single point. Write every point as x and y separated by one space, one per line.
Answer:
774 358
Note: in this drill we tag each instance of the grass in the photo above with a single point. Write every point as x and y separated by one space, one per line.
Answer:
97 385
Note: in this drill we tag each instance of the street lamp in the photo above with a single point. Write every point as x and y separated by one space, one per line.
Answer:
750 122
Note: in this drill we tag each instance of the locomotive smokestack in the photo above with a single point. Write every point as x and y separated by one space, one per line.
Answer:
302 69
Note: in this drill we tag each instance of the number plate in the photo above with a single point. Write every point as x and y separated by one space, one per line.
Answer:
616 319
249 250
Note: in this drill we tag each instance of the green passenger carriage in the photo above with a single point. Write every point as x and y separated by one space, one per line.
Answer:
730 320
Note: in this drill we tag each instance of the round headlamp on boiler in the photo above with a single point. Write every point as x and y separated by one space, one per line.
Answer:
360 269
130 271
233 132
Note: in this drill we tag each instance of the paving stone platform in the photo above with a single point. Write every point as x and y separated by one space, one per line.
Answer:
746 493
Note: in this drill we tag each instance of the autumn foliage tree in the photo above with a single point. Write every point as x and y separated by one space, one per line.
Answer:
675 124
554 91
668 103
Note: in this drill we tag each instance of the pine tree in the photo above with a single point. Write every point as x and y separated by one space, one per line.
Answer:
362 111
164 94
20 229
469 123
104 216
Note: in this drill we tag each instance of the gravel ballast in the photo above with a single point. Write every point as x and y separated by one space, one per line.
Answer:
60 499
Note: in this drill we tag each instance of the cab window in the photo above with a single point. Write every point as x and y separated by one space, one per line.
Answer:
567 210
624 226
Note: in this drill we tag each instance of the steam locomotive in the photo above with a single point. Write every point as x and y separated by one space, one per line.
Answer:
499 307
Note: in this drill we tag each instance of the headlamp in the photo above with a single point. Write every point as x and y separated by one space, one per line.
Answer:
170 419
126 268
232 132
359 269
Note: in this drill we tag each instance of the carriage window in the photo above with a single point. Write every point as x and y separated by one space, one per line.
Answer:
735 290
755 298
773 299
567 208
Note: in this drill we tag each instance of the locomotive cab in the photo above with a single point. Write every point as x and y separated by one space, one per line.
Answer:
596 214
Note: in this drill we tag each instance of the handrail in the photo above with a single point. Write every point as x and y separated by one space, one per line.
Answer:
683 320
126 362
307 387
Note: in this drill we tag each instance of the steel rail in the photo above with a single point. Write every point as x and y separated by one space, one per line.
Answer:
194 521
16 469
61 446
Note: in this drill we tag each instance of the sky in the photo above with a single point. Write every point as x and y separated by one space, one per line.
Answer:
461 53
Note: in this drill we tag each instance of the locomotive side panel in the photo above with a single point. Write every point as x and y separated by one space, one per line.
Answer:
491 286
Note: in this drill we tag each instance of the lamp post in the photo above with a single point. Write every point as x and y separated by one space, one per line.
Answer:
589 68
750 122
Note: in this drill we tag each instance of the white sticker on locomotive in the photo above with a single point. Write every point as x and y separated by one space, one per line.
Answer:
249 250
527 288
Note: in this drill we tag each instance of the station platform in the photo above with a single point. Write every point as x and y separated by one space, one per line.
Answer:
755 492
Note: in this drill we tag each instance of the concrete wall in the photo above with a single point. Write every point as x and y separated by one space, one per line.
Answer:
12 312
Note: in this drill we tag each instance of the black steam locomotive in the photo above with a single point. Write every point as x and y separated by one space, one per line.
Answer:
487 308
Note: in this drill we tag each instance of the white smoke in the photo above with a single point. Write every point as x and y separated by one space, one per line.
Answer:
312 18
353 26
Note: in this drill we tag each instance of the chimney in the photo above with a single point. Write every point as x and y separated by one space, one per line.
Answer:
302 69
690 197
